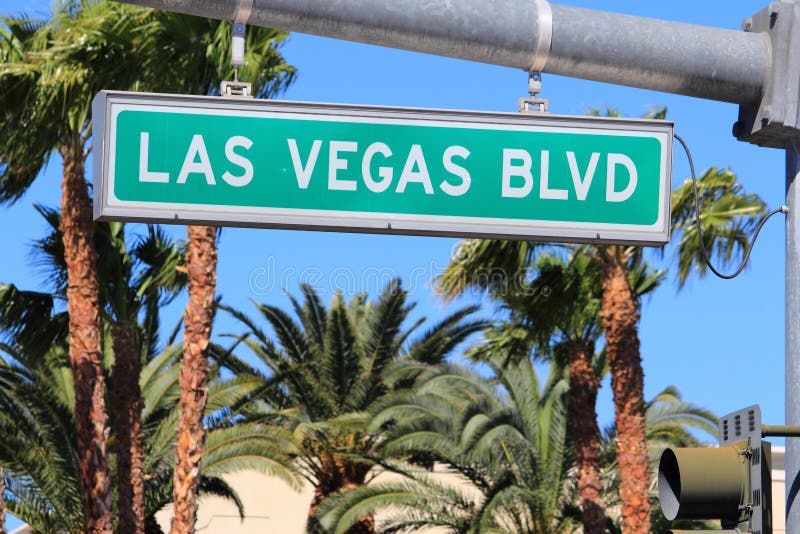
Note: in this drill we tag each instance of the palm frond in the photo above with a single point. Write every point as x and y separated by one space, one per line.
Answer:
251 447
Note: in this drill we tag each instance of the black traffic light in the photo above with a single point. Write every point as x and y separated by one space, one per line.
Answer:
731 483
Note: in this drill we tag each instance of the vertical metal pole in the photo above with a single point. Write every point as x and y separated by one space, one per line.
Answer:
793 334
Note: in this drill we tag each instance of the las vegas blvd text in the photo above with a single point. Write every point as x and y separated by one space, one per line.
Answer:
516 174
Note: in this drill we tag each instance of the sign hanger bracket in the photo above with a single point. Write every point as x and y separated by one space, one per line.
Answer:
534 104
236 88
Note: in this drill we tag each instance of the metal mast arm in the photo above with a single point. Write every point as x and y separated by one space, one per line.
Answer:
686 59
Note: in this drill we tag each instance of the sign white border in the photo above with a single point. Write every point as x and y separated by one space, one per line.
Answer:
108 104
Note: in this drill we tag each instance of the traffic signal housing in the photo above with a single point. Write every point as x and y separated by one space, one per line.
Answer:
731 483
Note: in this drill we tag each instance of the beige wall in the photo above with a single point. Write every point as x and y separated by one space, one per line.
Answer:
271 506
778 490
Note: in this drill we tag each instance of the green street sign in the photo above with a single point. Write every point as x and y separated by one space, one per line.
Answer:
244 162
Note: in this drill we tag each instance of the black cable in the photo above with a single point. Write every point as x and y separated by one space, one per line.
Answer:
706 255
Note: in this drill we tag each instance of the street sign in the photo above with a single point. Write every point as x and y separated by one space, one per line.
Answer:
243 162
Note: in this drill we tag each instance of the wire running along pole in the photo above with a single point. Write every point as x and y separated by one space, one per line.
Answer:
698 223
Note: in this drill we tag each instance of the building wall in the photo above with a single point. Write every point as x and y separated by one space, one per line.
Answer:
778 490
271 505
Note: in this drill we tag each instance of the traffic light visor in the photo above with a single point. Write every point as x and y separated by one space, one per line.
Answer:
701 483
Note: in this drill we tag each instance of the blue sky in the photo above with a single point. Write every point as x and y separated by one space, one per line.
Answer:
721 342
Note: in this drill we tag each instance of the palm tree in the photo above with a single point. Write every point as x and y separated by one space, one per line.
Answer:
554 303
505 437
192 55
558 308
619 268
201 261
49 72
36 396
37 422
155 283
145 277
328 367
725 232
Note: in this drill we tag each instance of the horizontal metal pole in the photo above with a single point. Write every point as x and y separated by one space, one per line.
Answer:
686 59
501 32
785 431
673 57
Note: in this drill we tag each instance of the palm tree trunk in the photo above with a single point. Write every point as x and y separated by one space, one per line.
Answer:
364 525
201 262
620 316
581 402
126 396
85 353
336 475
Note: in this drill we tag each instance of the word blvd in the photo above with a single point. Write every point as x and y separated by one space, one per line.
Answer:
517 163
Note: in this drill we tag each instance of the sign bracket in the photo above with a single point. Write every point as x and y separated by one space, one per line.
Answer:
236 88
533 104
